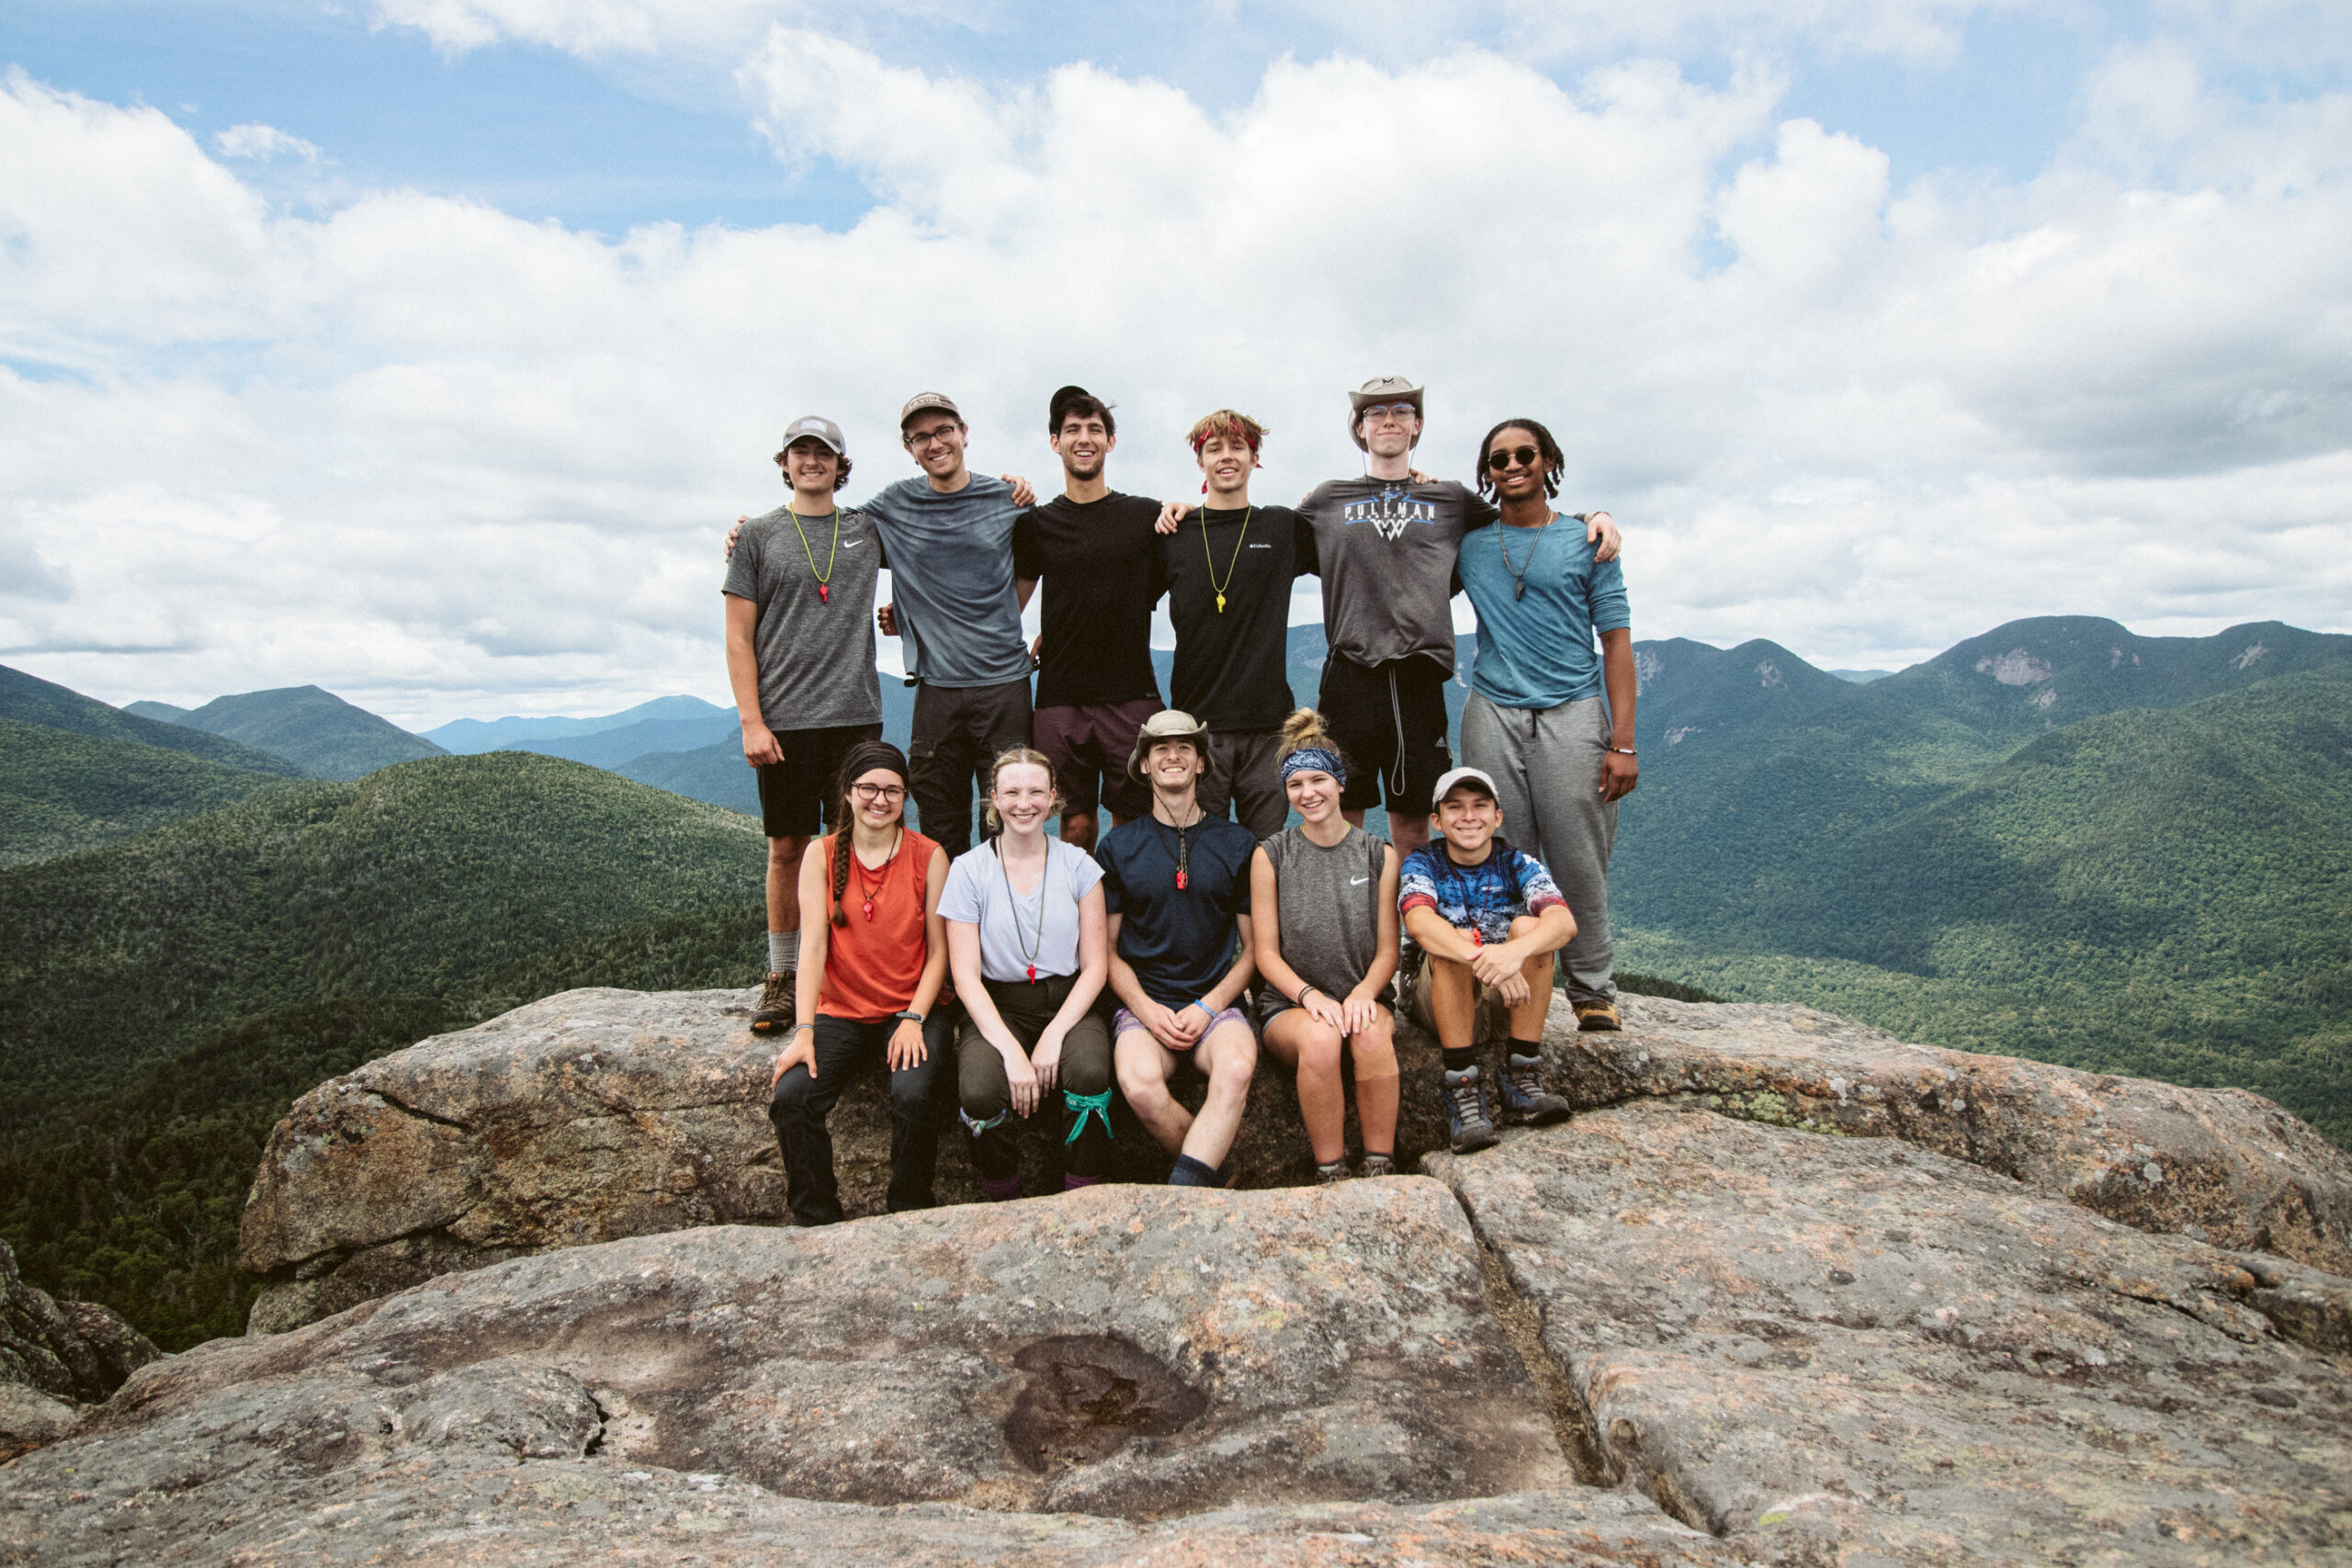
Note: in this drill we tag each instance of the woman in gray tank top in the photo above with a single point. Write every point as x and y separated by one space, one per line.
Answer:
1323 893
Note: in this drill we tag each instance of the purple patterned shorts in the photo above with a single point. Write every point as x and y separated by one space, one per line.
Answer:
1121 1020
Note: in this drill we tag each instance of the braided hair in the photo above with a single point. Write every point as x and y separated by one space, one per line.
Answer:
864 757
1546 447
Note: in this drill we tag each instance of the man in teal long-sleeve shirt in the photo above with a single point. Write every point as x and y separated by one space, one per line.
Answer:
1548 718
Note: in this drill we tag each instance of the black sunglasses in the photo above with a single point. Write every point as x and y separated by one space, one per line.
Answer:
1525 456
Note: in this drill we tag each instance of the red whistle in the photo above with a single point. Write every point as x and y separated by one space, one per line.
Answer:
824 594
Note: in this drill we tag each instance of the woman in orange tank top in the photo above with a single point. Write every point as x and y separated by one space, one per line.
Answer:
869 981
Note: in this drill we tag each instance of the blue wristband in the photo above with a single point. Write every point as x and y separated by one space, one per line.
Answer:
1206 1008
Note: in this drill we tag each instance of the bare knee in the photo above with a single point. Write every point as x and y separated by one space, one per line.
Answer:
1374 1050
1319 1052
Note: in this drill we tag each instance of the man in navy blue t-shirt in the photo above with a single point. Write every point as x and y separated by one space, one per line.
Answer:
1176 884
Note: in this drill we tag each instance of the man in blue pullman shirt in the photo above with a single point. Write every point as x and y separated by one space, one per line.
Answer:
1551 721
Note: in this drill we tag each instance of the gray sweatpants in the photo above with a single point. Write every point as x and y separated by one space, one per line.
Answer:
1546 767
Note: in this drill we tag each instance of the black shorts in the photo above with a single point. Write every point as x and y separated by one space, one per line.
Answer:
1389 722
799 794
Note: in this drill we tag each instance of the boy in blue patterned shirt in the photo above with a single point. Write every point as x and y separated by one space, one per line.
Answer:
1487 919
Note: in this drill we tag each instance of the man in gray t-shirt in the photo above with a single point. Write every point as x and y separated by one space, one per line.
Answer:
1386 545
957 604
800 658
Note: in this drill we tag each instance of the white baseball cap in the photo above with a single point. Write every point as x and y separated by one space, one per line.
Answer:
1479 776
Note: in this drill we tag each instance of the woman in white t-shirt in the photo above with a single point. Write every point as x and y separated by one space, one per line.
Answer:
1025 942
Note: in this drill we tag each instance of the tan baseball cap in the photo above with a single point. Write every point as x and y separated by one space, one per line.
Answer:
1168 724
923 400
1382 389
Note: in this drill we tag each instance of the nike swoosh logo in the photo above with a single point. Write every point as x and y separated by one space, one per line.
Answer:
1358 881
851 544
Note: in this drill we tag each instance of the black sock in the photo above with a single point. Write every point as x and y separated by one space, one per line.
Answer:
1189 1173
1459 1059
1527 1050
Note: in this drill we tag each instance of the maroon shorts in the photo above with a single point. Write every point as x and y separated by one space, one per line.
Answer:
1088 744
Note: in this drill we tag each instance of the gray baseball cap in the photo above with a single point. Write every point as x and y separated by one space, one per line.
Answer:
1382 389
923 400
812 427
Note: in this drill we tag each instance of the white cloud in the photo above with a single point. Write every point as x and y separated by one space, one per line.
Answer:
444 461
263 142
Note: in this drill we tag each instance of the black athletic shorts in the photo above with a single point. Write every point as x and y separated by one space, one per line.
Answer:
799 794
1389 722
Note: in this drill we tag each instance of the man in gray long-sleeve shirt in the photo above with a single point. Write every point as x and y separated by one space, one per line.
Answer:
957 604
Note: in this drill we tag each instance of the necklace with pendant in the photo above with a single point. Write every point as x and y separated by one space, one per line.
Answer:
1030 947
1519 574
1184 849
1219 588
824 589
872 886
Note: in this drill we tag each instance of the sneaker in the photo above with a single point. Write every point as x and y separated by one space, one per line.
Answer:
775 1012
1376 1165
1333 1174
1596 1014
1465 1113
1526 1103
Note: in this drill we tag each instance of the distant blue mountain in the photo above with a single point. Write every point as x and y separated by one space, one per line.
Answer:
468 736
611 748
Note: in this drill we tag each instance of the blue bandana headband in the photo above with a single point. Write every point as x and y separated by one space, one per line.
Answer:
1316 757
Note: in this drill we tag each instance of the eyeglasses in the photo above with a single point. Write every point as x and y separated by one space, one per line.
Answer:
1397 411
892 794
925 438
1525 456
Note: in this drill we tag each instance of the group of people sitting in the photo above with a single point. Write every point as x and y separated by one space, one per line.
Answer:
1055 971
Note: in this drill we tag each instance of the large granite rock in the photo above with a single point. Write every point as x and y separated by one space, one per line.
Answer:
1845 1351
598 1114
1122 1352
2221 1166
56 1358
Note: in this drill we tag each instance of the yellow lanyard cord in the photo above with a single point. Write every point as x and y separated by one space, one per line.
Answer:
1247 513
824 593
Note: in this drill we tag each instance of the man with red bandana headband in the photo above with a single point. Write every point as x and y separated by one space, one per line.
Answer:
1227 569
1384 546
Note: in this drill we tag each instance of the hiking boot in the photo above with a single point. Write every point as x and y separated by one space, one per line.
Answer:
1596 1014
1376 1165
1333 1174
1526 1103
1465 1113
774 1014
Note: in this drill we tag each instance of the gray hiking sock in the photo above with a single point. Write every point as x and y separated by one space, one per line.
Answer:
784 952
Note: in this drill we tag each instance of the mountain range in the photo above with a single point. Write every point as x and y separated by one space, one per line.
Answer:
315 730
2059 840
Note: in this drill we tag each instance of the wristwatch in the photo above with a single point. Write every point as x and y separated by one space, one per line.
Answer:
910 1016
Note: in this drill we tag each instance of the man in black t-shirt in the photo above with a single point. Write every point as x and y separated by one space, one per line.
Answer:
1176 886
1228 568
1093 552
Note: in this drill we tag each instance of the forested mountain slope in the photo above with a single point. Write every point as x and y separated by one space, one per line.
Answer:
28 699
61 791
308 726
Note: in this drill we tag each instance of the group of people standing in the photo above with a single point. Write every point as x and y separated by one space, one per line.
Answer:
1196 929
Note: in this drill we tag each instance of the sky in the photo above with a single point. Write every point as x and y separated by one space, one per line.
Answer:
424 349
